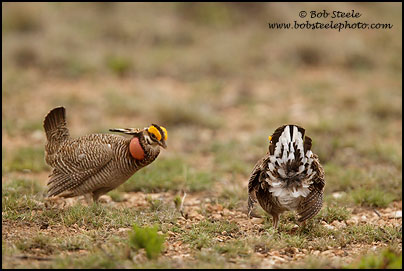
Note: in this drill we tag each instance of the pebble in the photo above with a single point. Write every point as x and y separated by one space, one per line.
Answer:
123 229
227 212
398 214
275 253
338 224
329 227
327 253
337 195
105 199
257 220
339 252
352 221
216 216
277 258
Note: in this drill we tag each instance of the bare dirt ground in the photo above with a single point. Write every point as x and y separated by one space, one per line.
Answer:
178 251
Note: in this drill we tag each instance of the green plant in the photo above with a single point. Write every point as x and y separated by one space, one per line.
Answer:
372 198
386 259
147 238
119 65
329 214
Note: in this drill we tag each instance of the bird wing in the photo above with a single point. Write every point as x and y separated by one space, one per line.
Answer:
75 162
254 182
312 204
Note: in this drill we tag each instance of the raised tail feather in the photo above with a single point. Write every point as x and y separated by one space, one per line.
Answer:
55 124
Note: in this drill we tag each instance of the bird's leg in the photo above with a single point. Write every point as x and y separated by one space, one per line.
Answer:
276 220
250 206
96 197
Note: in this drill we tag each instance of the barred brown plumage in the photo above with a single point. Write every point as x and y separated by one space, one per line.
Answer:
96 163
288 177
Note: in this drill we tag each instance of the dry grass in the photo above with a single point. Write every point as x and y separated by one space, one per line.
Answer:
220 81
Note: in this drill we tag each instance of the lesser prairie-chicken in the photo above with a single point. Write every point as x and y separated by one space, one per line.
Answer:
288 177
97 163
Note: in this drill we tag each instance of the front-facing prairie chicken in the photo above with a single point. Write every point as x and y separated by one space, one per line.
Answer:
97 163
288 177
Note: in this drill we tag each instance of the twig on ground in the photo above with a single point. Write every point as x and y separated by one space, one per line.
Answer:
376 212
182 204
28 257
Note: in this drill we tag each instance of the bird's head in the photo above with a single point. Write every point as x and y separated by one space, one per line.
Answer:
156 135
152 137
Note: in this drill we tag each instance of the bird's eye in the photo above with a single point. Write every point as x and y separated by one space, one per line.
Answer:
153 136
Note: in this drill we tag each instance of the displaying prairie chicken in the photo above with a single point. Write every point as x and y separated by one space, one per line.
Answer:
97 163
288 177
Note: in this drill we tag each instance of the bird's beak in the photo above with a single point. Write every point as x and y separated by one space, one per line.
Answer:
163 144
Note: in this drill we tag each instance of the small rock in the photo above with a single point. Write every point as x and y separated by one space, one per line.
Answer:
327 253
275 253
329 226
339 252
227 212
194 214
277 258
217 216
257 220
105 199
316 252
352 221
398 214
123 229
337 195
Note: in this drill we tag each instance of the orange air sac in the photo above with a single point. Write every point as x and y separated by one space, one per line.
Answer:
135 149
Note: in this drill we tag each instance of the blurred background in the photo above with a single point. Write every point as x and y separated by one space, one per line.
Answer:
218 79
